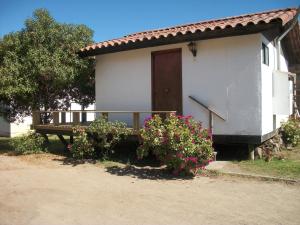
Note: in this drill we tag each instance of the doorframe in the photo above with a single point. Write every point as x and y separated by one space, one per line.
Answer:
153 54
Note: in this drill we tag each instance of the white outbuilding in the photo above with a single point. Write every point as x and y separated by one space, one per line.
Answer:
232 74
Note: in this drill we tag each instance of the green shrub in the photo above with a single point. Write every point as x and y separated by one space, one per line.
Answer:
82 147
290 132
31 143
179 142
107 134
99 139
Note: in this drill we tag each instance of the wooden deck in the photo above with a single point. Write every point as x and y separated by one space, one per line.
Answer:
61 128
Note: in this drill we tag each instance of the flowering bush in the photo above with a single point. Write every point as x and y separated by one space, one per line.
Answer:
290 132
31 143
179 142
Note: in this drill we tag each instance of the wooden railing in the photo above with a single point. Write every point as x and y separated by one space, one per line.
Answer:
74 117
211 113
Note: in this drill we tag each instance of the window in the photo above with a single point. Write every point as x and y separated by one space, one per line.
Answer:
265 54
83 115
63 117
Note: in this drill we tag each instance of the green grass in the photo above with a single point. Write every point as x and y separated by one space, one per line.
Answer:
289 167
55 146
122 157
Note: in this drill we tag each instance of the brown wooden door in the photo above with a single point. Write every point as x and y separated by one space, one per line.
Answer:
167 80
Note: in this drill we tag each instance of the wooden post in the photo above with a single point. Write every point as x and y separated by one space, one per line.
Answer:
76 118
71 139
136 121
105 116
251 152
56 118
211 122
46 138
63 140
36 118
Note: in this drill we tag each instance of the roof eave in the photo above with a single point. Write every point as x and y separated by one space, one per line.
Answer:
219 33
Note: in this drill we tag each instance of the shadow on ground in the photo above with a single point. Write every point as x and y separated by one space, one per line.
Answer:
74 162
149 173
5 147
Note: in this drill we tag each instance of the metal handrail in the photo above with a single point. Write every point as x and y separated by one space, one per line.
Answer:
211 113
206 107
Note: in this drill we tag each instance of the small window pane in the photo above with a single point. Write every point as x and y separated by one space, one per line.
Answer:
265 54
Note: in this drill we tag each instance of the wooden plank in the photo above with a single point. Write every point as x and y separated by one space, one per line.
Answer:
56 118
76 118
63 140
136 121
211 122
71 139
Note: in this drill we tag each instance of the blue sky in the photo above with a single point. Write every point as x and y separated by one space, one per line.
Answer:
112 19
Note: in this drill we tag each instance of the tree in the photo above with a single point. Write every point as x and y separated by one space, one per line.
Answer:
40 69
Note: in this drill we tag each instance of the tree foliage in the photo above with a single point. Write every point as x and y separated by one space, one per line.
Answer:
40 69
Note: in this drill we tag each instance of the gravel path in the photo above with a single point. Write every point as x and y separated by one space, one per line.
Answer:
43 191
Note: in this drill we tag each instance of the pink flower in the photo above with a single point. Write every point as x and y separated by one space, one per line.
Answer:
191 159
165 140
147 120
179 155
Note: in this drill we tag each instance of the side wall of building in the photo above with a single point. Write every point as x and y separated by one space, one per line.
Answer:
274 86
225 75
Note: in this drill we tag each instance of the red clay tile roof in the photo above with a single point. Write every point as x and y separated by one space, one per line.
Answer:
281 15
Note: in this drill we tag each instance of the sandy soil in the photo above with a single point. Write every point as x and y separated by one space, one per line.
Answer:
45 191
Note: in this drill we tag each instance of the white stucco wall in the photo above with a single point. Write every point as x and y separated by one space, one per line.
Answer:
20 128
16 128
225 75
75 106
269 92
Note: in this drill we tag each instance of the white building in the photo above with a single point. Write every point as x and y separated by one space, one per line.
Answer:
14 129
236 66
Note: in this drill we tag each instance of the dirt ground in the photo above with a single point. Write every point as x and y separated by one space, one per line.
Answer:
44 190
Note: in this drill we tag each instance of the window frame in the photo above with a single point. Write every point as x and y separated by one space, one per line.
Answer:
265 54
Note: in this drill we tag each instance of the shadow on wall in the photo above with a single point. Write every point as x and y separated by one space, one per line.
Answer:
231 152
